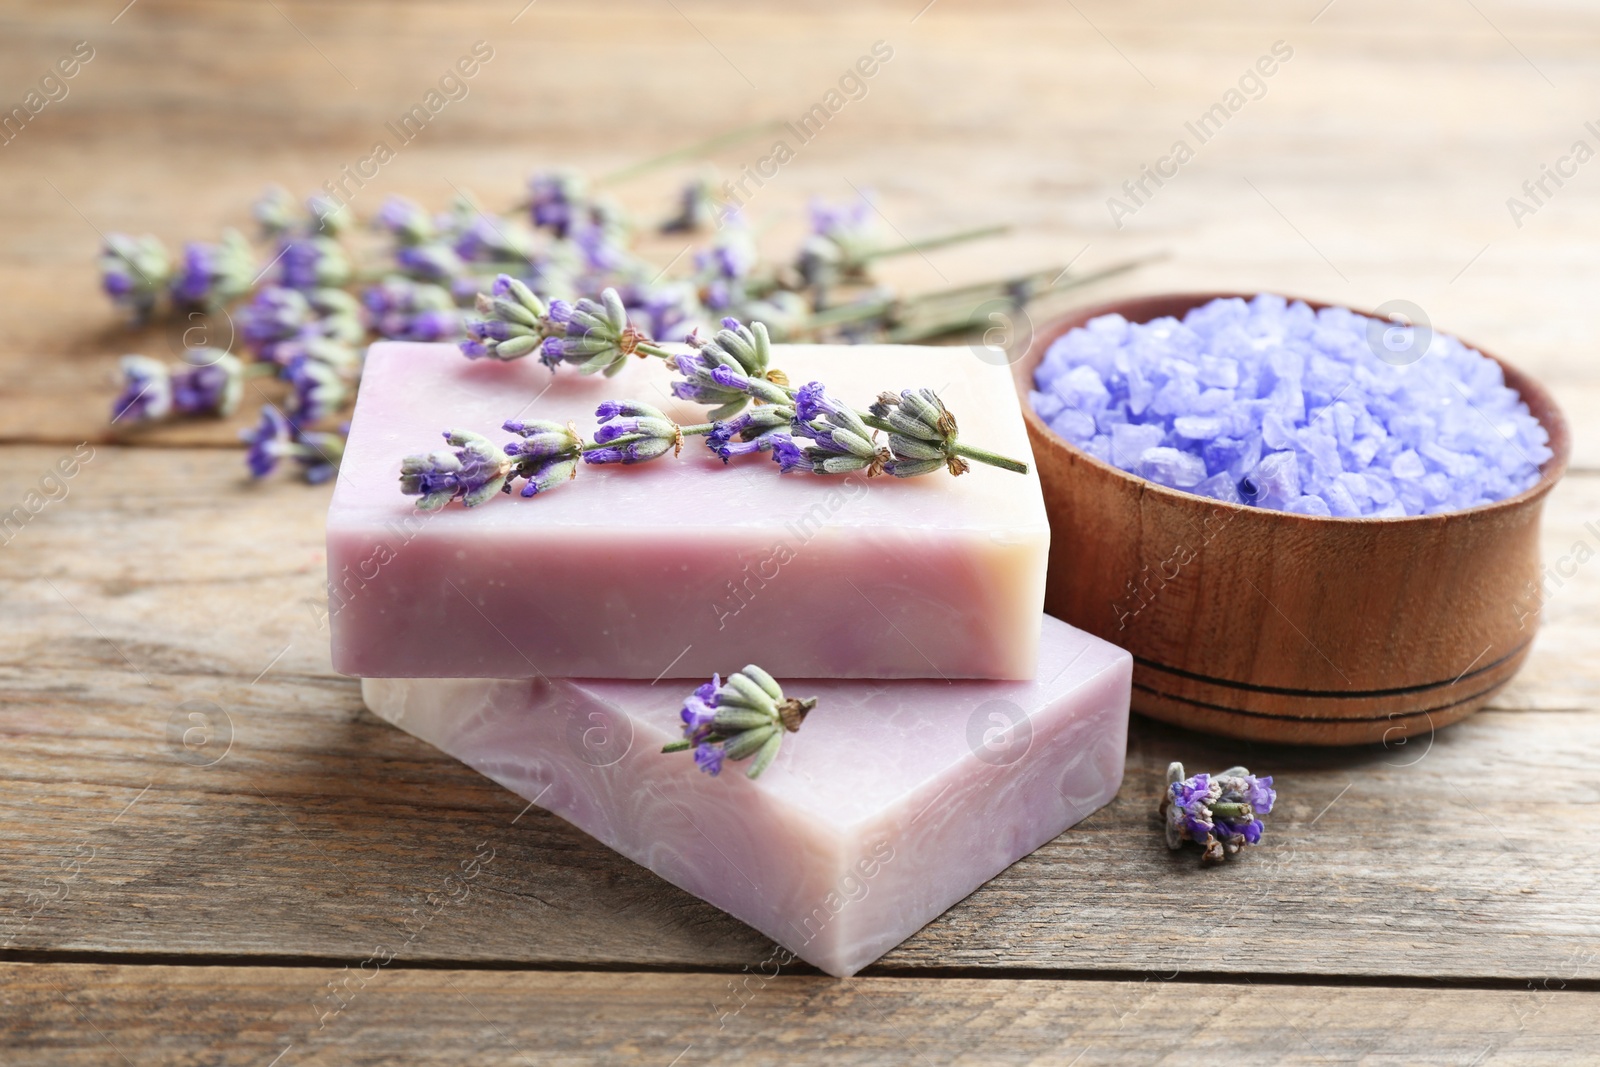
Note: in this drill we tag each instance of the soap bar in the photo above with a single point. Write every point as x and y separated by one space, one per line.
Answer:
892 802
683 565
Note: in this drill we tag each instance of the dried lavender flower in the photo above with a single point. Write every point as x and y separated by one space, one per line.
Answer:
214 274
923 433
840 441
1221 812
633 432
734 720
406 220
211 384
134 272
546 456
404 310
598 337
275 211
515 321
319 389
313 263
555 200
729 369
473 469
758 430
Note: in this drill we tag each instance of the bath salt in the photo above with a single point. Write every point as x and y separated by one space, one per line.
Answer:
1272 403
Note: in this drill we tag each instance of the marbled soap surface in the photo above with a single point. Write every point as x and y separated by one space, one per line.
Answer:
894 801
684 565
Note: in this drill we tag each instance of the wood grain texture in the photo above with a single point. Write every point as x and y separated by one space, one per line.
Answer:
162 581
249 1015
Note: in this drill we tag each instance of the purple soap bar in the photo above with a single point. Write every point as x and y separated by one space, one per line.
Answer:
683 565
893 801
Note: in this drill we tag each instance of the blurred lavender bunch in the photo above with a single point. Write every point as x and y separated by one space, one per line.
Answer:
746 716
1220 812
305 304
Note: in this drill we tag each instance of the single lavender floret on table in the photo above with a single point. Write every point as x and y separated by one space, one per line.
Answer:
1220 812
734 720
1269 403
210 383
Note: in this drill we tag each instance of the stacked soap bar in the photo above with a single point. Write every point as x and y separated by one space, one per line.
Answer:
894 801
683 565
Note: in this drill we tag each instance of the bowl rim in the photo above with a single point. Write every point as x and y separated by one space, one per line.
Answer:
1140 309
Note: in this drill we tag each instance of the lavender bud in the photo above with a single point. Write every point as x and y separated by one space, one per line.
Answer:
134 272
474 471
746 716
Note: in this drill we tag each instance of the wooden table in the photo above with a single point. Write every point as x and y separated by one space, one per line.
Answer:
1432 902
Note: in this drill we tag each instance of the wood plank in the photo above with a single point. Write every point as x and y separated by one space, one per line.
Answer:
77 1014
1032 112
160 580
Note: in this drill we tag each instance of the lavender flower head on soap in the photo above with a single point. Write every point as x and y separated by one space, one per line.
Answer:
1220 812
1274 404
744 717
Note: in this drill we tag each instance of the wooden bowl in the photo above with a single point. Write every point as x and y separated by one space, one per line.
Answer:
1273 626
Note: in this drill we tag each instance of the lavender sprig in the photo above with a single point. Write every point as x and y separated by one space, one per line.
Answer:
276 438
211 384
516 321
745 716
1221 812
473 469
212 275
134 272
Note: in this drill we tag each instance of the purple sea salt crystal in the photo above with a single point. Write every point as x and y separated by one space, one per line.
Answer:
745 716
473 469
134 272
1221 812
1298 409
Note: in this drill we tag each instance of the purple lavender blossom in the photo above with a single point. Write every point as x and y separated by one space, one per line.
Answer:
406 220
134 272
473 469
546 456
515 321
923 436
146 391
270 441
319 391
745 716
212 275
1221 812
430 262
634 432
598 337
759 430
555 200
721 371
211 384
313 263
840 441
405 310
